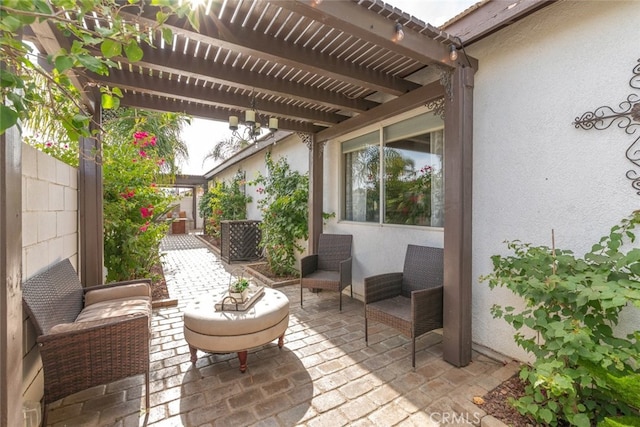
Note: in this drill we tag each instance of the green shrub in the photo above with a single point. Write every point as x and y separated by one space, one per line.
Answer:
224 201
571 305
285 210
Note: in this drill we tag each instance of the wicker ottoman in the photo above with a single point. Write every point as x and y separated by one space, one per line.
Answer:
236 331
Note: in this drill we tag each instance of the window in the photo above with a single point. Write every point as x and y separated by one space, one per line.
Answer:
410 153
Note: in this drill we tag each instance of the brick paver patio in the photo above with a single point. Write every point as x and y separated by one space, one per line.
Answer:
323 376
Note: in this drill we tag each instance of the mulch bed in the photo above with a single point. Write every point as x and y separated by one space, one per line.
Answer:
264 269
159 289
496 403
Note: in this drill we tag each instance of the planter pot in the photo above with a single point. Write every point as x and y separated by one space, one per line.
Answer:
240 296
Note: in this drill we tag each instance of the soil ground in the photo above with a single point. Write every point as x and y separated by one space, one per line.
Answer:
496 403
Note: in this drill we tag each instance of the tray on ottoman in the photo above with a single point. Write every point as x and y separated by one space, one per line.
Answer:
229 303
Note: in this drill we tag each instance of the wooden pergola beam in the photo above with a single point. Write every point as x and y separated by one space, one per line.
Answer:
384 111
202 69
367 25
156 103
237 102
491 17
250 43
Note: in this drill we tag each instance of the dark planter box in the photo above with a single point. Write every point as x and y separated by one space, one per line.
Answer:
239 240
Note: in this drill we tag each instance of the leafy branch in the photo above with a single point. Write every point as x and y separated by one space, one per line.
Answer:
90 26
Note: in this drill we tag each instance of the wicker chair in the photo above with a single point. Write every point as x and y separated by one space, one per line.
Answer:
330 268
88 336
411 301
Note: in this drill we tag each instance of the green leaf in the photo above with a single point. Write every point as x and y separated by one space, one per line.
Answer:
91 62
8 118
133 51
110 102
546 415
63 63
167 35
161 17
10 24
110 48
581 420
7 79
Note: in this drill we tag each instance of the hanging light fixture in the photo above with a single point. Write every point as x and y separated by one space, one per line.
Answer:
453 52
398 33
251 125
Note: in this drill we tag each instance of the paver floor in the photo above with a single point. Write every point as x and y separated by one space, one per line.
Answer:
324 375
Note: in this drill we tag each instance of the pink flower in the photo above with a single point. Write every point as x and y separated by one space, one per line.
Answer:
144 227
160 162
49 144
143 153
140 135
146 212
260 190
129 194
153 141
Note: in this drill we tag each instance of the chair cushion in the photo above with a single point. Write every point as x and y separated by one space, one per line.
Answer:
106 312
395 312
116 292
115 308
322 279
399 307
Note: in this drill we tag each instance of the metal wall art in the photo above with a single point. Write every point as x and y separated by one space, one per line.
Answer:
626 116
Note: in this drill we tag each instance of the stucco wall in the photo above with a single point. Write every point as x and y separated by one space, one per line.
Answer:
49 235
533 170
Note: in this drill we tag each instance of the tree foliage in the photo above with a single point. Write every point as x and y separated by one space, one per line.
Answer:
94 45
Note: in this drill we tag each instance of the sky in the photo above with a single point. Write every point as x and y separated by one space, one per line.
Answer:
202 134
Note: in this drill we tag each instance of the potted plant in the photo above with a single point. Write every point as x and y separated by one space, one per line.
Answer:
239 289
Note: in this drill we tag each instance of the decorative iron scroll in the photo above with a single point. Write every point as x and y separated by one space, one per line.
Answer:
308 140
437 106
625 116
445 80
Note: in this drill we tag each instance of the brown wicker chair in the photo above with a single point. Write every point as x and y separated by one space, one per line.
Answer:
330 268
109 341
411 301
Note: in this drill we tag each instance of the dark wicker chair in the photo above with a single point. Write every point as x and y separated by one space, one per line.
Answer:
330 268
77 355
411 301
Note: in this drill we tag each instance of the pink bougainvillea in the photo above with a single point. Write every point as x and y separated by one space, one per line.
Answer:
146 212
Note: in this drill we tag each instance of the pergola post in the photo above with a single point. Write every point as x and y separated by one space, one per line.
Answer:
458 169
316 171
90 205
11 269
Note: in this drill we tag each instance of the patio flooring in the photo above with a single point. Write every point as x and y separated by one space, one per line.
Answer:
323 376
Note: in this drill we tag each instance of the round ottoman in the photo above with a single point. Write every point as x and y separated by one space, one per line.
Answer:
236 331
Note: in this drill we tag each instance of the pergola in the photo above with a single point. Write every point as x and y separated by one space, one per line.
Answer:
323 68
